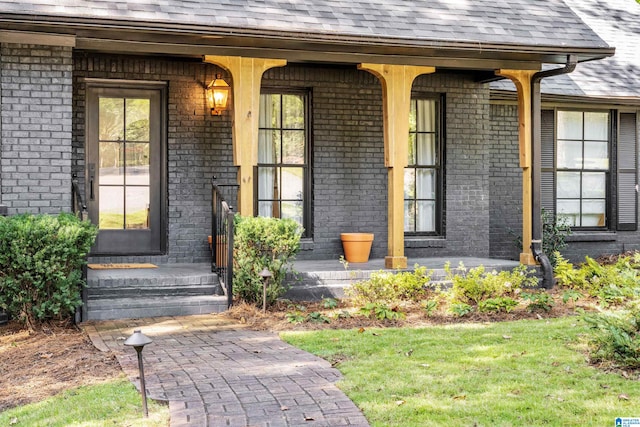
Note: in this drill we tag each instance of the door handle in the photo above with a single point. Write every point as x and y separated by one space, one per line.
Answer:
92 177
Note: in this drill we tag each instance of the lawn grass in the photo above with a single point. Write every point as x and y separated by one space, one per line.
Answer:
524 373
115 403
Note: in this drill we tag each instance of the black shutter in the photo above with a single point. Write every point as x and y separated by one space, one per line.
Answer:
627 172
547 175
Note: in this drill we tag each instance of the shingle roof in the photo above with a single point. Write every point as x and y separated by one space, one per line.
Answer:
509 22
618 23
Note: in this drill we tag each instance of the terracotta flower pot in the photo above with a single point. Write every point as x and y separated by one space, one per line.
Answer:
357 246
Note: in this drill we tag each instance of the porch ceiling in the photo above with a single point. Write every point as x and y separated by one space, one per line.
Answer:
480 35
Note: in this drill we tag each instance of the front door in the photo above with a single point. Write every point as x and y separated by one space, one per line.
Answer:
124 169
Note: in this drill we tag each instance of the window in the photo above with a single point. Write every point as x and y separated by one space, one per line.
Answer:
283 184
582 167
423 175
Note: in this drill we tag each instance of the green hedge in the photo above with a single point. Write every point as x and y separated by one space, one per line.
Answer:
41 259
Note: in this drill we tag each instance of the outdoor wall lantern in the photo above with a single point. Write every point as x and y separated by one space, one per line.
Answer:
138 340
218 95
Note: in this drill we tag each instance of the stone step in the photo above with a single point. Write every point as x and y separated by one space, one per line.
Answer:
169 289
129 308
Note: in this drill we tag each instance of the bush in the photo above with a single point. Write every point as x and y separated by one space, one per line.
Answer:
616 338
612 284
390 287
554 235
41 259
477 285
260 243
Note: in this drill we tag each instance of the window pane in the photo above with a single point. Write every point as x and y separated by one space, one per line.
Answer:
411 152
596 126
569 154
293 210
268 146
568 185
426 115
594 185
569 125
138 119
111 202
266 209
593 213
111 169
412 116
426 147
111 126
293 146
137 208
137 157
570 211
292 112
409 215
269 111
426 184
596 155
267 183
292 183
409 183
425 216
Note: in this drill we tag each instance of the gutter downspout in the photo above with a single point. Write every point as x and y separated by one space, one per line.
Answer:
536 167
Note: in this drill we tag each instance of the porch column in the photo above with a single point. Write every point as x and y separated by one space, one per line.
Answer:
397 81
522 80
246 75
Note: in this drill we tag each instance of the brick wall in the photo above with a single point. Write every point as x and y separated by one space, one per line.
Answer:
506 183
199 145
349 177
506 199
35 121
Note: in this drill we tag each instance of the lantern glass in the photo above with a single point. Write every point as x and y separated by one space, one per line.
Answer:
218 95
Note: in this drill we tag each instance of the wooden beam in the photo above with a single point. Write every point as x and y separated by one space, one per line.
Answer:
246 75
397 81
522 81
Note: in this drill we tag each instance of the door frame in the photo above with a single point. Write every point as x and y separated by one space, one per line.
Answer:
162 88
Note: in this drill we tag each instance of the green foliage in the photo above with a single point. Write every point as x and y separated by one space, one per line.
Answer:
430 306
499 304
389 287
329 303
538 301
295 317
612 284
476 285
616 338
460 309
41 259
381 311
571 295
317 317
263 243
554 235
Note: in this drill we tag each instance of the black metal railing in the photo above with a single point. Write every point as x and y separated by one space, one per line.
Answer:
78 206
222 238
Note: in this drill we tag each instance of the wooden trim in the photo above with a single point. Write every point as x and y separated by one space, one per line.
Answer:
397 81
246 75
43 39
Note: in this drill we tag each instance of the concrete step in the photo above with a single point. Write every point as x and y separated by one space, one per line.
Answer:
129 308
169 289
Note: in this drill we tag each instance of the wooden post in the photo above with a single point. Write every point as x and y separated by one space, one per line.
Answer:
397 81
522 80
246 74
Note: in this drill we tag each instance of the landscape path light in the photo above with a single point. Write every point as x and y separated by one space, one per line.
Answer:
266 275
138 340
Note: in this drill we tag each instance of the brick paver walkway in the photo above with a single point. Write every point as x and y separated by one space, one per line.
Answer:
217 374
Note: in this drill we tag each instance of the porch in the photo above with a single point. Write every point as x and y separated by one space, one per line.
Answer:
186 289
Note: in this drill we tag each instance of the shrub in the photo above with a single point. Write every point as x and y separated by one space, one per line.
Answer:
389 287
263 243
538 301
612 284
41 259
477 285
616 338
499 304
554 235
382 311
